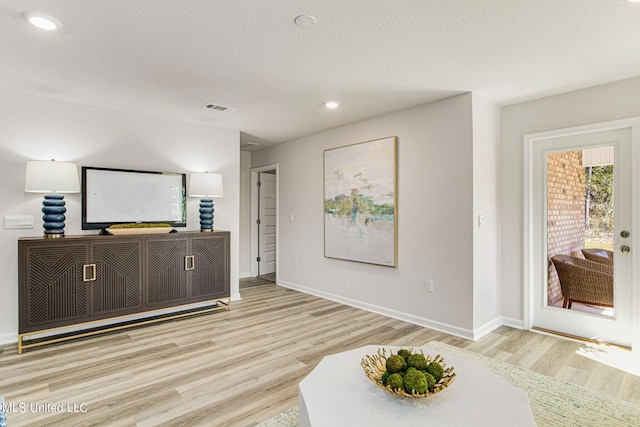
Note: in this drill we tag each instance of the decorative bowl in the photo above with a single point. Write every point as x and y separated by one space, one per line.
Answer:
134 231
375 365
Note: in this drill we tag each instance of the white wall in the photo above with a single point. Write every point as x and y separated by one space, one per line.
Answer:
602 103
435 217
38 128
486 146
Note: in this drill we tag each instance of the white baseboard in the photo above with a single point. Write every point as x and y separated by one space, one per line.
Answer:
12 337
244 275
9 338
410 318
486 328
513 323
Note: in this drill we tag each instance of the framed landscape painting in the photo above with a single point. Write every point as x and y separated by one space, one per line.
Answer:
360 203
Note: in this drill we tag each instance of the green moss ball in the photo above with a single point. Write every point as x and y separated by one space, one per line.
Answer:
417 361
431 382
384 377
396 364
415 381
395 381
404 353
436 370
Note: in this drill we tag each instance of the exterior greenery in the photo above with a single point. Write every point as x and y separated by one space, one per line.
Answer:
599 181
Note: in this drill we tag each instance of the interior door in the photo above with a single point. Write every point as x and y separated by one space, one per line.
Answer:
614 325
267 223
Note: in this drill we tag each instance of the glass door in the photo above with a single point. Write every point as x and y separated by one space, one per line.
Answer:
581 213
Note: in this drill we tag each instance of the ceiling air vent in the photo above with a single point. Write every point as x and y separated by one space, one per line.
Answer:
216 107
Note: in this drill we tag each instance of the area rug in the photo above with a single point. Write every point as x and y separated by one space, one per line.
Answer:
288 418
554 403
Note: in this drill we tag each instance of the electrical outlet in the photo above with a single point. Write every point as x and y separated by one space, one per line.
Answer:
428 285
295 262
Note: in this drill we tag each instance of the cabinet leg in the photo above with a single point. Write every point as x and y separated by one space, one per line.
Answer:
19 344
227 303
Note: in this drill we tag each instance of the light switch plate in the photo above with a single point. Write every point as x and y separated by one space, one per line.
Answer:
18 221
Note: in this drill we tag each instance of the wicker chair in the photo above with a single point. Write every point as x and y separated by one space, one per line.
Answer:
598 255
584 281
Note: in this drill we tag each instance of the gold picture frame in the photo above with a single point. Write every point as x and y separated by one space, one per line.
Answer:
360 202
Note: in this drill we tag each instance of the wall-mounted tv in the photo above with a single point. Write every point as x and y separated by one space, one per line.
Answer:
120 196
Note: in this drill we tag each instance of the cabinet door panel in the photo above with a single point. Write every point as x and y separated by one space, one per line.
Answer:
165 271
53 292
118 284
210 274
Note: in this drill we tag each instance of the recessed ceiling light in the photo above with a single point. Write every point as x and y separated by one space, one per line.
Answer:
42 21
331 104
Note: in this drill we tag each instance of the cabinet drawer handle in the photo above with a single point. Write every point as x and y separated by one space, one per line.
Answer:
85 277
189 265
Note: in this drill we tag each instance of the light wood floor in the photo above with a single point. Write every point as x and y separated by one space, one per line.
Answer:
240 367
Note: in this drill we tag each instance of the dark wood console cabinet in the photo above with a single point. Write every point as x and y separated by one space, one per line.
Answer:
86 280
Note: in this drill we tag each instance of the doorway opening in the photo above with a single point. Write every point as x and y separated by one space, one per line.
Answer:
264 221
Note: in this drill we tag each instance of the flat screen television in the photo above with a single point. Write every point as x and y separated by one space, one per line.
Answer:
120 196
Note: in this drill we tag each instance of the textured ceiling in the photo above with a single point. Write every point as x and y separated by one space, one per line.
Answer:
169 57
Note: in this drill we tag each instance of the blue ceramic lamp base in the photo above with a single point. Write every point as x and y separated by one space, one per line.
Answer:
53 210
206 215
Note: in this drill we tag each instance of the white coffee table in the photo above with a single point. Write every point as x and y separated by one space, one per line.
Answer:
338 393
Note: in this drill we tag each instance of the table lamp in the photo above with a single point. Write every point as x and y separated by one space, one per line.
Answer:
206 186
52 178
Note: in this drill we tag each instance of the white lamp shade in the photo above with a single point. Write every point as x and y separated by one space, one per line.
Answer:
205 184
49 176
